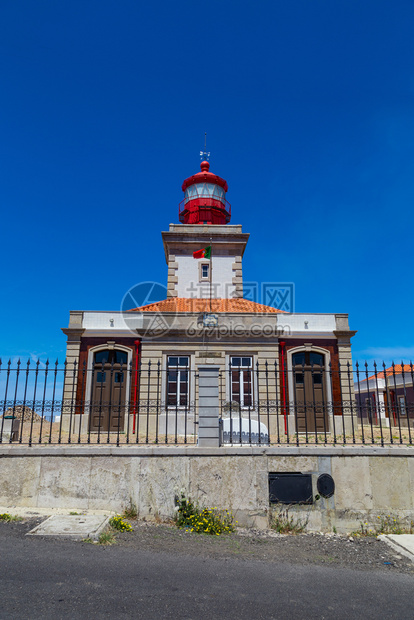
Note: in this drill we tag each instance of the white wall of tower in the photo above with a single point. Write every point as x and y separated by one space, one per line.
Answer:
189 283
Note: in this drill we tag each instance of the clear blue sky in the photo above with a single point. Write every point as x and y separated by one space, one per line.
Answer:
309 110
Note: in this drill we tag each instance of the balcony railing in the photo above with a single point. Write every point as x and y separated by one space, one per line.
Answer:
218 208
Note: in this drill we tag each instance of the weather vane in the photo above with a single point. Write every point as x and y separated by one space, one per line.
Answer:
204 154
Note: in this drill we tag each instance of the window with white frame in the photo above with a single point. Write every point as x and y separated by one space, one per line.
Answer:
241 372
204 271
178 380
401 402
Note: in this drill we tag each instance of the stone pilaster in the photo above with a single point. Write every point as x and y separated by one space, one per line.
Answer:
172 276
74 334
346 373
237 277
208 407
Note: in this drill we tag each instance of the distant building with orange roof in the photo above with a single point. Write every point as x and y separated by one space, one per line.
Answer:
386 397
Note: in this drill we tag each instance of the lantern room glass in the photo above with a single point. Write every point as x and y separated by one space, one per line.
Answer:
204 190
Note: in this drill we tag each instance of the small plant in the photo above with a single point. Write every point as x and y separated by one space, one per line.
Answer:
284 523
334 530
191 517
89 541
119 524
106 538
5 516
73 512
131 512
365 531
385 524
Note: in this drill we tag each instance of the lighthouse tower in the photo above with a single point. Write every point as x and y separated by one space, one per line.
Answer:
204 216
205 199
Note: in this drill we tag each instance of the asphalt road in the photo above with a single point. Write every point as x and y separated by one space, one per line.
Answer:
53 578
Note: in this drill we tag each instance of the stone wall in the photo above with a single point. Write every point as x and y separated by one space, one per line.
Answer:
369 481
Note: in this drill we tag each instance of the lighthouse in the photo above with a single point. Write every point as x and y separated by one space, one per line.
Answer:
204 216
204 199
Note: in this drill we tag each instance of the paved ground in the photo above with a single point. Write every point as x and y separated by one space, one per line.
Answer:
160 572
71 526
402 543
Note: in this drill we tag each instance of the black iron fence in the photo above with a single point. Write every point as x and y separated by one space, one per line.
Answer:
297 401
308 402
111 402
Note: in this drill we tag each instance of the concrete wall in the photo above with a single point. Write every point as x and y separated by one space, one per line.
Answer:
369 481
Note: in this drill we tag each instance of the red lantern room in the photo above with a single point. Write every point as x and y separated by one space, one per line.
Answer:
204 199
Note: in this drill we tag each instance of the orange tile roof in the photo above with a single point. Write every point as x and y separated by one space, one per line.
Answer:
389 372
184 304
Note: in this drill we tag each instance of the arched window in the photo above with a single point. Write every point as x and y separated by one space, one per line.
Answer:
308 357
110 356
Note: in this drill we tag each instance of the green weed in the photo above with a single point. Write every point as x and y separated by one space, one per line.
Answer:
284 523
384 524
5 516
106 538
131 512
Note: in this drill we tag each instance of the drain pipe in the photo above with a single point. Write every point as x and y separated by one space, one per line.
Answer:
137 344
283 381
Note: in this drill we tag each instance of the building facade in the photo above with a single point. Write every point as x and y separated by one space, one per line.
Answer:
142 364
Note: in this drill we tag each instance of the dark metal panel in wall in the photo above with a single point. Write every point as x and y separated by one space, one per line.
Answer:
290 488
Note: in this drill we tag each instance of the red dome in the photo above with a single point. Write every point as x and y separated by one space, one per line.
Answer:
205 177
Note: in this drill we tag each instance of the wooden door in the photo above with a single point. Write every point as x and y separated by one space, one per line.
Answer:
108 391
309 380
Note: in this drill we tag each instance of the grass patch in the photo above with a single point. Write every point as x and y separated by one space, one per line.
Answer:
106 538
285 523
191 517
